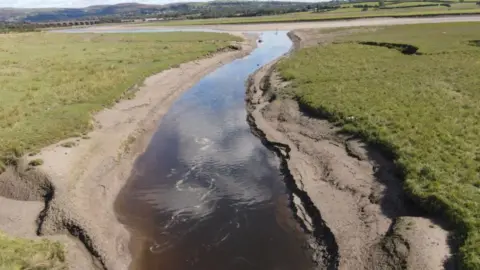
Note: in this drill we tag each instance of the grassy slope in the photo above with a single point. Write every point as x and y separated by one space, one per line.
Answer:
422 108
342 13
52 83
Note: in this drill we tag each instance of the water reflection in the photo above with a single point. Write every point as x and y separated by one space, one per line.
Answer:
207 194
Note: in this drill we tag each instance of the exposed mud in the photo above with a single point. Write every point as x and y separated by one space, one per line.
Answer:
70 197
474 43
403 48
354 192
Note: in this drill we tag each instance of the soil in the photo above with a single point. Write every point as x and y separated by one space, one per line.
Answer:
70 197
354 189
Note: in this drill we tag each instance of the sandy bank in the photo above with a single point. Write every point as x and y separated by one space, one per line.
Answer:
80 183
299 25
352 193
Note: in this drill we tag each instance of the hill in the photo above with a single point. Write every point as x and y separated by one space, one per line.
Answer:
135 10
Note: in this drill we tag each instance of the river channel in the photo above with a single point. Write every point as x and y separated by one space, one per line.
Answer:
207 194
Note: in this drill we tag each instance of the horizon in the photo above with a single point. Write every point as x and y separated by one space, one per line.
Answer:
86 3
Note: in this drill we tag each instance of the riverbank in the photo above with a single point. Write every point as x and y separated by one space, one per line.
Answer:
82 176
352 191
287 26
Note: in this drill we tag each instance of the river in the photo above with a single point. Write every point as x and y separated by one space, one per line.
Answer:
206 194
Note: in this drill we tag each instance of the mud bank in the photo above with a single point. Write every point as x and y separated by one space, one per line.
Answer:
351 194
70 197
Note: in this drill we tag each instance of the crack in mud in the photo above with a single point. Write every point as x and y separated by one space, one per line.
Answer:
474 43
406 49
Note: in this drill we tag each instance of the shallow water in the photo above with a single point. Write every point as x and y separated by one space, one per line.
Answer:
207 194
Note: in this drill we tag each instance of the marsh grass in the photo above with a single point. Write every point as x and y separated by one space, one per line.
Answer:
52 83
349 12
423 109
28 254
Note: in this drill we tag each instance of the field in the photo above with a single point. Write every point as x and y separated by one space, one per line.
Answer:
52 84
26 254
347 11
422 108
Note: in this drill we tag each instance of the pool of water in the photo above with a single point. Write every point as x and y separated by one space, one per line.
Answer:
206 194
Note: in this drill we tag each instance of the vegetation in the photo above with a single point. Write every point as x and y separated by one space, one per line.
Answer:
36 162
52 83
175 10
421 108
326 12
16 254
16 27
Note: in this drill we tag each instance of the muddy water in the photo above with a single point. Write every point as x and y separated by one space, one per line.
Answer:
207 194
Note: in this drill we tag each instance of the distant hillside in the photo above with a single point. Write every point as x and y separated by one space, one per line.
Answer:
135 10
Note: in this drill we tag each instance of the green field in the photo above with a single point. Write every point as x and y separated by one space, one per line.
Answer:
17 254
52 83
421 108
347 12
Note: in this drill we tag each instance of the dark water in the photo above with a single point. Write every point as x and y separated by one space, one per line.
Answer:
207 194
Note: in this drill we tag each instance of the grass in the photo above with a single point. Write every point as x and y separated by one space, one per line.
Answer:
52 83
338 14
17 254
422 109
36 162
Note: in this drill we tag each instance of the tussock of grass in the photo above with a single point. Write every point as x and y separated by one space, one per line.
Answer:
16 254
68 144
421 108
36 162
52 83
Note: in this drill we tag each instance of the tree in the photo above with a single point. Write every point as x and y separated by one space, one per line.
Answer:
381 3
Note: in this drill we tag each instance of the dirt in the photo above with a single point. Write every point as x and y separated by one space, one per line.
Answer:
70 197
354 189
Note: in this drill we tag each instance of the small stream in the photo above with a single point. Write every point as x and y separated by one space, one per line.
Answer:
206 194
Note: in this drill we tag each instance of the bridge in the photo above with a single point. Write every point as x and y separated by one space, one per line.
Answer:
67 23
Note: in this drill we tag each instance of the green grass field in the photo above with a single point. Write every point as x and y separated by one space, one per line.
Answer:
19 254
422 108
349 12
52 83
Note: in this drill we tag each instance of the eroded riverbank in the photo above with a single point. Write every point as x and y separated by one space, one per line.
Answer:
355 190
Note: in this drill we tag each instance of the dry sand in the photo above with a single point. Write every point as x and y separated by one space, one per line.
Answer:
354 190
82 182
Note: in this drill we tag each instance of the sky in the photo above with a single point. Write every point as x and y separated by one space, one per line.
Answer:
79 3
